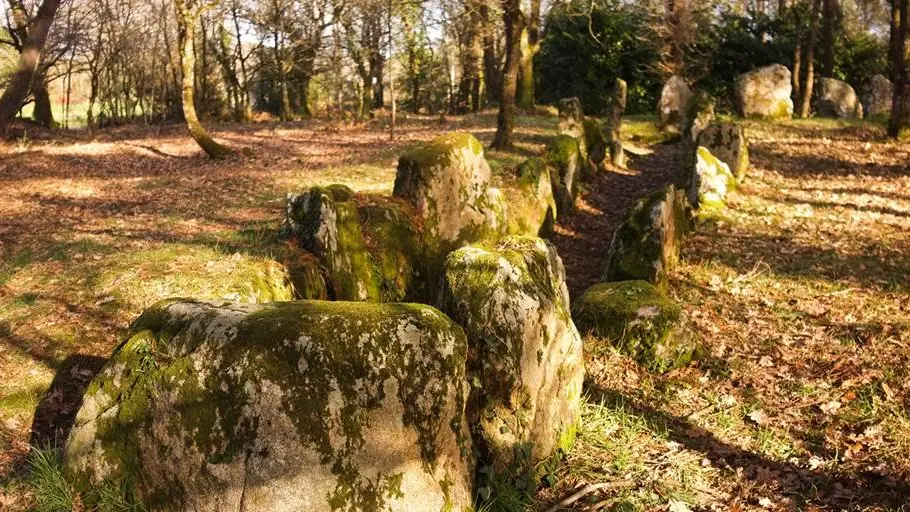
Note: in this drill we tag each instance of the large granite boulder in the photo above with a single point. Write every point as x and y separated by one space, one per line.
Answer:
447 183
638 320
710 180
674 98
765 93
646 245
878 97
316 406
727 141
525 355
835 98
565 160
369 247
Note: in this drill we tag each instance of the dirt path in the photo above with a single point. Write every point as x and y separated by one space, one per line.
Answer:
583 237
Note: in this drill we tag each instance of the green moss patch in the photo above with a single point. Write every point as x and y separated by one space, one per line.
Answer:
636 319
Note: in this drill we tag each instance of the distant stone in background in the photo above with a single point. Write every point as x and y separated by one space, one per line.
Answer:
638 320
674 98
525 361
765 93
700 112
447 183
614 123
565 160
837 99
727 141
597 144
647 244
710 181
311 405
878 97
571 121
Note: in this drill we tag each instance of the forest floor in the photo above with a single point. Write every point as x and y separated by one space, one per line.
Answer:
800 290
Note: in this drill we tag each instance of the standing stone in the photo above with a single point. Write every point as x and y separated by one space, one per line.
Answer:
324 221
614 124
596 142
710 181
878 97
447 183
646 246
565 160
571 117
699 114
674 98
727 141
835 98
531 204
765 93
315 406
525 360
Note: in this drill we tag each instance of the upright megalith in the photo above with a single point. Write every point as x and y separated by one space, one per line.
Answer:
531 203
324 221
637 319
646 245
368 248
525 355
571 117
764 93
878 97
617 108
674 98
727 141
311 405
447 183
565 160
597 143
710 180
700 112
837 99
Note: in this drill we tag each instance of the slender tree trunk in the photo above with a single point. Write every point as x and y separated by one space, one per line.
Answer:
391 75
899 21
19 84
829 27
810 62
43 113
530 45
187 14
491 69
505 124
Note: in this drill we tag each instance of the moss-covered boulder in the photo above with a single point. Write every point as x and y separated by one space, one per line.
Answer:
565 160
447 183
396 246
638 320
531 204
764 93
646 245
597 145
306 275
325 222
571 119
837 99
525 355
710 180
727 141
674 98
315 406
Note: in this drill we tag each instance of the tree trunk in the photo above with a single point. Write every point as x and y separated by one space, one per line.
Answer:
899 20
19 84
491 72
530 45
43 114
187 14
505 124
829 27
810 62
